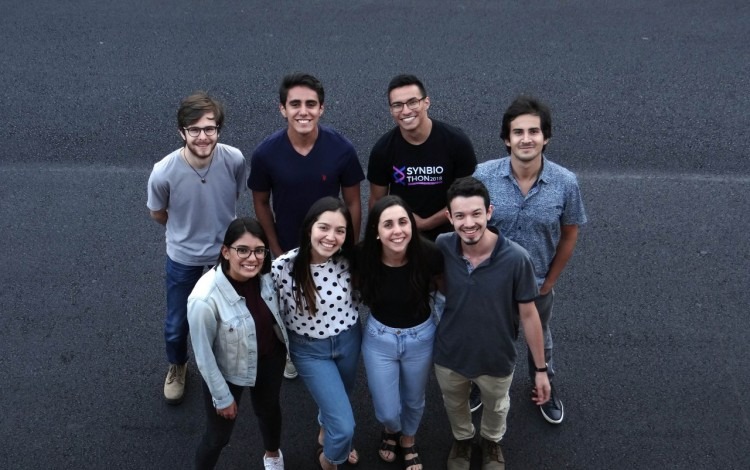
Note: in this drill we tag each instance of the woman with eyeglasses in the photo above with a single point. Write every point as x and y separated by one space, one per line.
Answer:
240 342
322 319
397 273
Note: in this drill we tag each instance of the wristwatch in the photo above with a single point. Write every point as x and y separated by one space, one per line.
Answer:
542 369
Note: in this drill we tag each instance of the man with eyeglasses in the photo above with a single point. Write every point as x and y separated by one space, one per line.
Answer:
419 158
299 164
193 192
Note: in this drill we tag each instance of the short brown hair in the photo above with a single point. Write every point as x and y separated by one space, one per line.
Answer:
195 106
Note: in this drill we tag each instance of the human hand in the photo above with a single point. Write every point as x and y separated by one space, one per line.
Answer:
230 412
542 389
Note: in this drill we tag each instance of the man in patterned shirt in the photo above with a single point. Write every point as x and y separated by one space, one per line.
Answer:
538 205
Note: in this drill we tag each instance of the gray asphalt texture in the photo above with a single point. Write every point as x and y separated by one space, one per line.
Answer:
650 108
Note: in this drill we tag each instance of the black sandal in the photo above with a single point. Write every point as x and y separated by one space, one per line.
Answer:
414 450
385 447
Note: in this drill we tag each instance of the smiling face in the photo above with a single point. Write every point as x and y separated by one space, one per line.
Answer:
406 118
469 218
394 230
327 236
202 146
526 139
243 269
302 110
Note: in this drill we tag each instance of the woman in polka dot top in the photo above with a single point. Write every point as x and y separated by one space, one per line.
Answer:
322 319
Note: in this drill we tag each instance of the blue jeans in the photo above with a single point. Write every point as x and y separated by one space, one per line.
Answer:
329 369
180 281
544 307
398 363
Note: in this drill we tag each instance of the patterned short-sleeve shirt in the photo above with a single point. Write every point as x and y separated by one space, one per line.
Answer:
338 309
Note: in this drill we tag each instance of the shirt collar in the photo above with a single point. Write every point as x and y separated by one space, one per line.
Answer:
544 175
494 250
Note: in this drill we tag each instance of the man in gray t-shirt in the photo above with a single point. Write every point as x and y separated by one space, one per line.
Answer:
193 192
489 290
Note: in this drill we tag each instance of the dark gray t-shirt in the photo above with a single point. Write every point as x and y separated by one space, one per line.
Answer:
476 335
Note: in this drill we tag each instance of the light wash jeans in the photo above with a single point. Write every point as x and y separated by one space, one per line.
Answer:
329 369
398 363
180 281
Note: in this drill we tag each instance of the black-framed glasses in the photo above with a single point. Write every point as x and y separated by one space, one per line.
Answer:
196 131
411 104
244 252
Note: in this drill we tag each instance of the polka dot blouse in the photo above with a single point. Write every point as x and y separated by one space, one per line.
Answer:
337 309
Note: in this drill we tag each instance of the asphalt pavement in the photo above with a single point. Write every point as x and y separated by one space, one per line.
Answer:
650 108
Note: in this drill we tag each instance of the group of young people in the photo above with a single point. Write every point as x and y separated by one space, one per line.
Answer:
449 266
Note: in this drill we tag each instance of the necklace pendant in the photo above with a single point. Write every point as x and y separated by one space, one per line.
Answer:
203 180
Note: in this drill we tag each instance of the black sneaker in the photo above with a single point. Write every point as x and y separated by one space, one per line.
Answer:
475 398
553 411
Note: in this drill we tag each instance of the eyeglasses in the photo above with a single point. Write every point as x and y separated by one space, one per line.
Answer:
411 104
196 131
244 252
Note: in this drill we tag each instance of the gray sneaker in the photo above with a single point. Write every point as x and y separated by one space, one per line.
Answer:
174 384
460 455
290 372
492 456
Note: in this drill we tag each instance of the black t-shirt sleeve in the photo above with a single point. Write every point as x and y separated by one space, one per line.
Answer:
379 164
463 153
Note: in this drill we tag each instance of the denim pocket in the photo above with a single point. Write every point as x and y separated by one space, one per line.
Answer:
371 330
230 331
427 334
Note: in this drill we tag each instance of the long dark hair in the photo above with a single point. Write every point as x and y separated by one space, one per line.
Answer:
236 229
369 270
304 286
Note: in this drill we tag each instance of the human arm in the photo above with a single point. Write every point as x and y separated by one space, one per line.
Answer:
262 205
353 200
563 253
532 330
203 323
435 220
160 216
377 192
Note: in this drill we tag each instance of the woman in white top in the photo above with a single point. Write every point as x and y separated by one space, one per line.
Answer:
322 320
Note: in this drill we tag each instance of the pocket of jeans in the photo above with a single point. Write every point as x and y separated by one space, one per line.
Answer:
427 335
372 332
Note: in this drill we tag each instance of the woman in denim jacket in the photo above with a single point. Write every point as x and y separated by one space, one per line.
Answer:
397 273
239 342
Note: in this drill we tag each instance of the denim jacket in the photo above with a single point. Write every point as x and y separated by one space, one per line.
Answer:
223 333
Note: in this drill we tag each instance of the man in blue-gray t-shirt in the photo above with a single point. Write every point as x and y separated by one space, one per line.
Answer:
489 290
538 205
193 192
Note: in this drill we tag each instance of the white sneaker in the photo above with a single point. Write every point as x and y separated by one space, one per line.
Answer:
290 372
274 463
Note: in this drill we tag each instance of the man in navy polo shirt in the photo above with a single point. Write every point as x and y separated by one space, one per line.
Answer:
538 205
